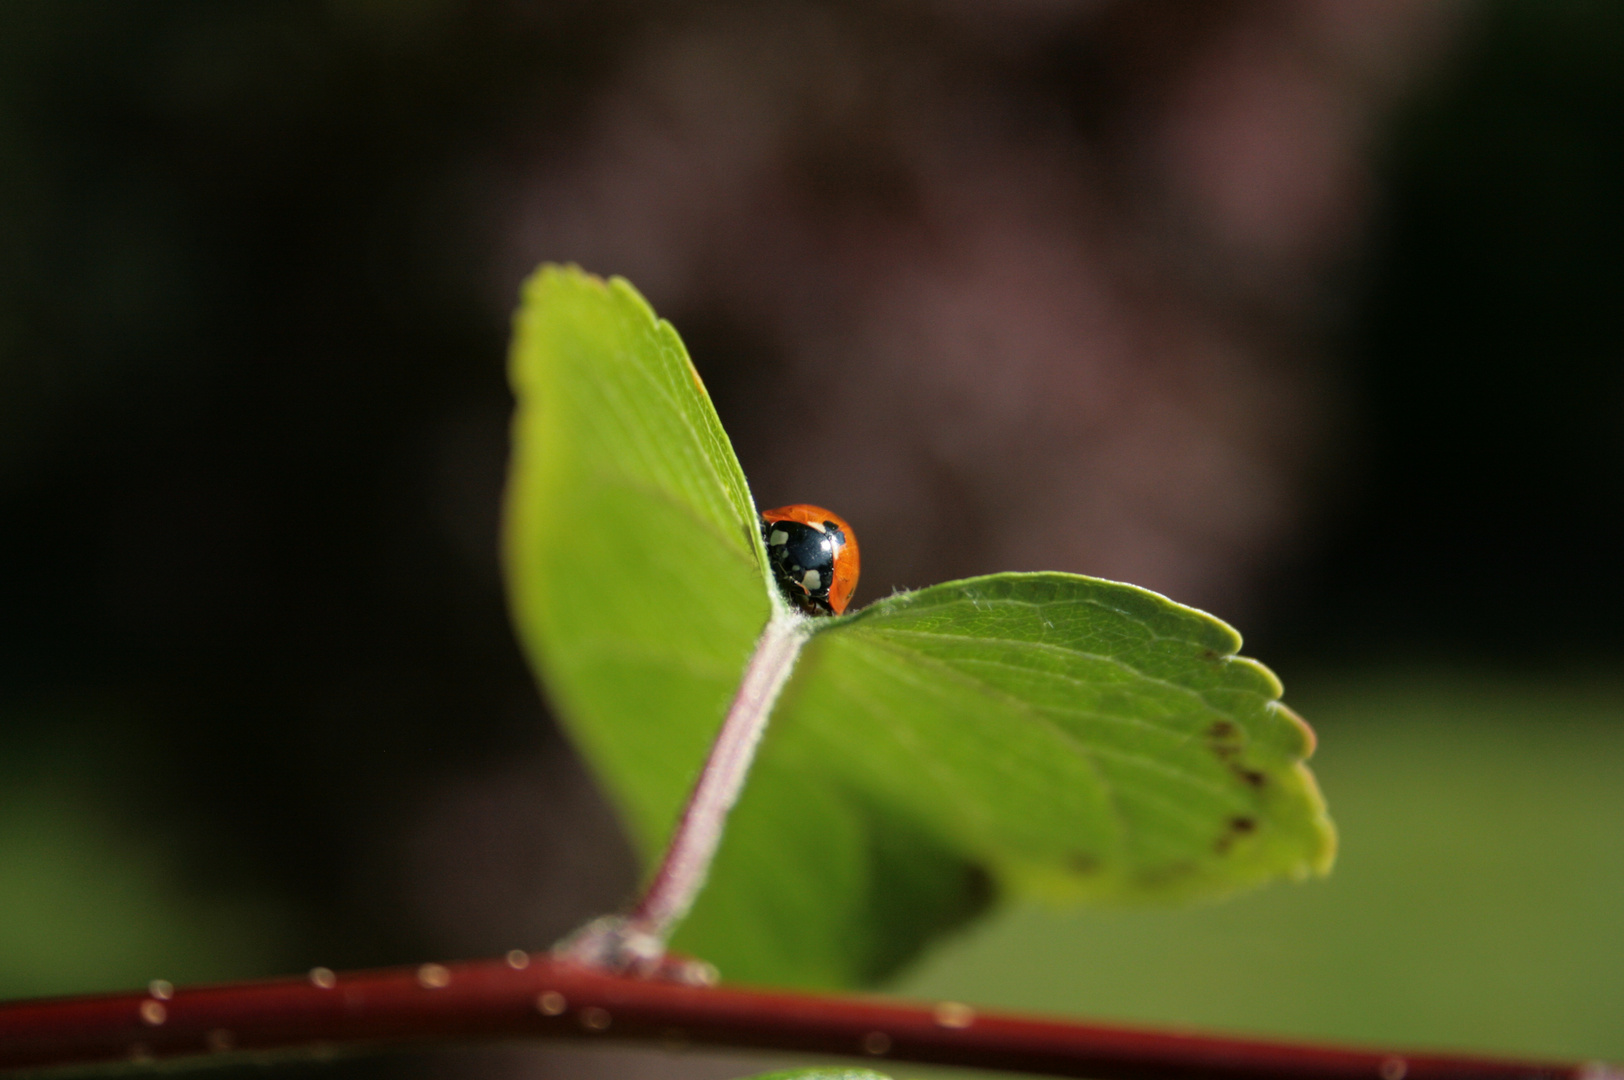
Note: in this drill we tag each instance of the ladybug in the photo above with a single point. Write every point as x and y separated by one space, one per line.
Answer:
813 553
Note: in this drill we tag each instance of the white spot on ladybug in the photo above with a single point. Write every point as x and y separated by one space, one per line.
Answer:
812 580
816 526
779 536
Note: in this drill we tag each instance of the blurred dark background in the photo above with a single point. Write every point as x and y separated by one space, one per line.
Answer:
1301 312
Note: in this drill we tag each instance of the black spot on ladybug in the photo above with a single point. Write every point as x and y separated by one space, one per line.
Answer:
803 561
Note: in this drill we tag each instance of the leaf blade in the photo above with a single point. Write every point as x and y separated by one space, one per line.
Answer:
1161 718
619 462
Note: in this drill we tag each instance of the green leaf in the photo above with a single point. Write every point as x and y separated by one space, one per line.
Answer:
632 552
1046 733
1085 737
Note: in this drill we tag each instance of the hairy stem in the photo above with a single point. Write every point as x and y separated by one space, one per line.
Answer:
688 858
637 942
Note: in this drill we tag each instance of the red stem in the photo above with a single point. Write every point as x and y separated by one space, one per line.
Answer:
537 996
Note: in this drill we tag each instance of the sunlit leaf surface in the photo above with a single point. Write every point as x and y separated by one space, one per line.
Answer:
1048 733
631 550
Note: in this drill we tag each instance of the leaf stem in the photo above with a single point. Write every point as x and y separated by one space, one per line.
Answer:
636 942
688 857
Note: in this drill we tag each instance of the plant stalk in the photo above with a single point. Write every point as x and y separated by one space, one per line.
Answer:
525 996
636 942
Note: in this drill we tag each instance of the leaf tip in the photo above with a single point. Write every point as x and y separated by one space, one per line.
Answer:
1267 683
1305 732
627 293
549 276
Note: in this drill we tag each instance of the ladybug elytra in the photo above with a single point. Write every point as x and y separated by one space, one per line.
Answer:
813 553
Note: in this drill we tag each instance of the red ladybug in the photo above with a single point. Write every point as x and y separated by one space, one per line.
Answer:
814 557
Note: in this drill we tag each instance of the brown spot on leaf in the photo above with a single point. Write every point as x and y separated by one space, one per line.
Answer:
1223 739
1082 862
1251 776
1239 825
